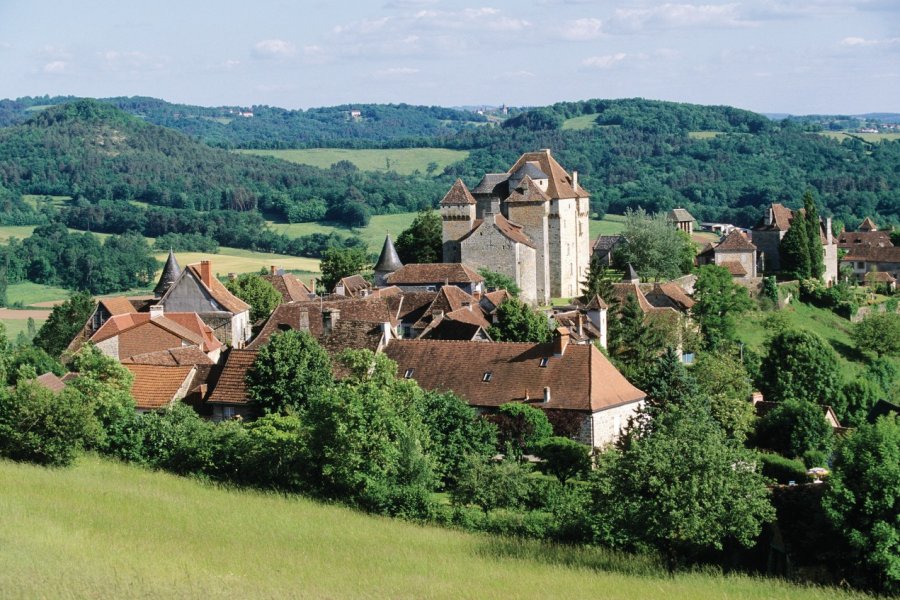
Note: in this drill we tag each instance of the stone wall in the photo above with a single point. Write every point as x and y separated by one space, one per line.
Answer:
533 219
607 425
488 248
767 243
563 240
747 258
456 221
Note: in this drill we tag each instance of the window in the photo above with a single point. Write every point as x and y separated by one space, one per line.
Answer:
408 373
544 361
860 265
228 412
486 377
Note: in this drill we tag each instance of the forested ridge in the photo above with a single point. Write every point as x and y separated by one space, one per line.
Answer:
632 153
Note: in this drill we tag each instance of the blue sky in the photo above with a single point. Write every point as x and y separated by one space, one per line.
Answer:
797 56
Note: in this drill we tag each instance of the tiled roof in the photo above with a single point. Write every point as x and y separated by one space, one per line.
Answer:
868 225
353 284
169 274
781 217
187 326
458 194
117 305
680 215
596 303
880 277
289 286
292 315
734 267
581 379
157 386
385 292
231 387
189 355
433 273
851 239
673 296
491 300
559 183
51 382
511 230
530 170
736 240
353 335
527 191
410 306
492 183
450 329
621 291
874 254
605 243
219 292
193 323
571 320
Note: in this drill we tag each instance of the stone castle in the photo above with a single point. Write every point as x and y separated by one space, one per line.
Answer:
530 223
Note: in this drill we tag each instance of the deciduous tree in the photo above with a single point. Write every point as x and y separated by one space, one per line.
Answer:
262 297
800 365
718 302
517 322
288 371
421 242
342 262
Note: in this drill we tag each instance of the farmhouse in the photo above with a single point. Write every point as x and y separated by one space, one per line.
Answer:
735 253
771 229
584 396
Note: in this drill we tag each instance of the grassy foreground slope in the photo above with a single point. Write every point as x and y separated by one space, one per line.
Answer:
104 530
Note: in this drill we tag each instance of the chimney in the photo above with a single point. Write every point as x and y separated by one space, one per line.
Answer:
575 180
273 270
561 341
330 317
546 395
206 273
467 304
156 311
580 326
546 151
828 233
437 314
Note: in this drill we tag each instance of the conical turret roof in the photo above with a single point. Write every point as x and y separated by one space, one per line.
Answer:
631 274
170 273
389 260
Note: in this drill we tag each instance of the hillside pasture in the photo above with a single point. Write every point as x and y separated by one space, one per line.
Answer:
580 122
27 293
107 530
704 135
15 231
373 234
608 225
403 161
873 138
234 260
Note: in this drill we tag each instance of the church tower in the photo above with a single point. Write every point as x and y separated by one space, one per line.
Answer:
457 219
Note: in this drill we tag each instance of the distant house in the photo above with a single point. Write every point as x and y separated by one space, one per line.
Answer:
771 229
197 290
432 277
682 220
604 246
865 259
735 253
353 285
289 286
583 395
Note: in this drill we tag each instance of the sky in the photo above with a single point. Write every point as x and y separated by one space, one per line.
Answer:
788 56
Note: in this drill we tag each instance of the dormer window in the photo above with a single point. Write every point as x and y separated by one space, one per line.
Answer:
409 373
487 376
544 361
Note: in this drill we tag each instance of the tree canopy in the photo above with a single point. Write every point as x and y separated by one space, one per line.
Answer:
262 297
287 372
653 246
518 322
422 241
800 365
342 262
718 301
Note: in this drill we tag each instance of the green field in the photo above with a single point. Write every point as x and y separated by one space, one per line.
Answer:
403 161
234 260
581 122
14 326
373 234
608 225
107 530
869 137
33 199
28 293
703 135
15 231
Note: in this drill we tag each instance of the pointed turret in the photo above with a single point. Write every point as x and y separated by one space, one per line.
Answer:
388 262
170 273
631 275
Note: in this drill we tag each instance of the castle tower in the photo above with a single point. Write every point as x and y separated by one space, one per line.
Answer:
457 219
170 273
388 262
528 206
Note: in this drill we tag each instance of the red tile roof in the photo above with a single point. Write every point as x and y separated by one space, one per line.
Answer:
188 326
433 273
734 267
352 284
851 239
458 195
51 382
118 305
736 240
527 191
189 355
289 286
874 254
231 387
581 379
559 183
157 386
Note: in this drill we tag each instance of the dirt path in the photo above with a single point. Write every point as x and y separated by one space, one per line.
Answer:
23 314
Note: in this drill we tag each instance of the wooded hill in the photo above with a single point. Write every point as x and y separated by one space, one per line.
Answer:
272 127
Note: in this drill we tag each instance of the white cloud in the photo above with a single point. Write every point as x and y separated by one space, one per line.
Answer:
274 48
678 16
606 61
858 41
56 67
581 29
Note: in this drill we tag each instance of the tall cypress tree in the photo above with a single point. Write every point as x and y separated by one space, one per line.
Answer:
816 258
794 250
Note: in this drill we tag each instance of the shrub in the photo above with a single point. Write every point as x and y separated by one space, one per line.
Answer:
563 458
781 469
793 428
521 427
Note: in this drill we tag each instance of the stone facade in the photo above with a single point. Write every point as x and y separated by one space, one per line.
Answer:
771 229
605 427
543 208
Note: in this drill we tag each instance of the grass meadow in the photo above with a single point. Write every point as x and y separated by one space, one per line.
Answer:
19 325
107 530
403 161
235 260
868 137
580 122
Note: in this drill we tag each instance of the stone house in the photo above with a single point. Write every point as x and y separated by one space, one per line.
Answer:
865 259
126 335
535 207
682 220
771 229
197 290
584 396
735 253
432 277
353 285
289 286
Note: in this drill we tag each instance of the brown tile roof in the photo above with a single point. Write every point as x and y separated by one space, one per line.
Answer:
606 243
868 225
491 300
219 292
157 386
433 273
880 277
292 315
851 239
781 217
473 316
410 306
353 284
734 267
289 286
581 379
231 386
736 240
680 215
118 305
673 293
570 320
596 303
511 230
193 323
187 326
173 357
449 329
385 292
355 335
874 254
527 191
51 382
559 183
621 291
458 194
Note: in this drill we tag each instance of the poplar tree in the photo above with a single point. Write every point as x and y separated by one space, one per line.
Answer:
794 250
814 242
